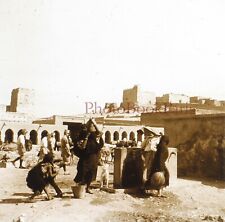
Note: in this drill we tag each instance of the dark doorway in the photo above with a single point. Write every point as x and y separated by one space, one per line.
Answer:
9 136
116 136
57 136
19 132
33 137
74 128
132 136
107 137
44 133
124 135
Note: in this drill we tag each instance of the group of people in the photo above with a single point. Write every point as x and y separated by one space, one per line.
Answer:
48 145
43 174
87 148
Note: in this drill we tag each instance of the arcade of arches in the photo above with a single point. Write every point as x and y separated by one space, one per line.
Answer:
11 136
34 136
110 136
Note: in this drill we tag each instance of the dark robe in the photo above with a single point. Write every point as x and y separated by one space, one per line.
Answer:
159 163
36 179
88 160
40 176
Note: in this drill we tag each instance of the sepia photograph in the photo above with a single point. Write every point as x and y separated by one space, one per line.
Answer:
112 111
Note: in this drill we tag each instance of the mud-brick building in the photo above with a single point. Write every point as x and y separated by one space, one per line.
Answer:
114 128
19 115
198 135
136 97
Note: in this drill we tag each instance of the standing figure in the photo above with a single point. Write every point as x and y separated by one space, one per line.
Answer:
90 143
159 163
21 148
44 149
147 155
71 148
51 142
65 150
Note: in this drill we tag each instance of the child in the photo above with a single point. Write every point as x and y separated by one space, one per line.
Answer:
41 175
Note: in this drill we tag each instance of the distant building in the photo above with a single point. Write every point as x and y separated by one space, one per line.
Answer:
22 100
19 115
135 97
21 107
212 102
172 98
222 103
197 99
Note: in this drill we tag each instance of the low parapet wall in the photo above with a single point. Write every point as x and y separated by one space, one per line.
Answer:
200 143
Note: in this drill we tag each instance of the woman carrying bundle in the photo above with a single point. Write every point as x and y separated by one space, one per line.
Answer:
90 143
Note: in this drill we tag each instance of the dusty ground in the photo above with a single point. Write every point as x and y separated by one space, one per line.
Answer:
187 200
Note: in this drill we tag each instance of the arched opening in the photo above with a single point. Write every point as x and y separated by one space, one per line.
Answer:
107 137
57 140
124 135
19 132
139 135
132 136
9 136
44 133
33 136
116 136
57 136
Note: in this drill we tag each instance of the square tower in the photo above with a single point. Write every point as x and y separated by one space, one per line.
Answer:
22 100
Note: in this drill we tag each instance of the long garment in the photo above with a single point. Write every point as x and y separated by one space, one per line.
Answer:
159 162
43 149
88 160
65 149
21 146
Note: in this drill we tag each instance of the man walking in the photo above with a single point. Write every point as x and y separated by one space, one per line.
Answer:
21 148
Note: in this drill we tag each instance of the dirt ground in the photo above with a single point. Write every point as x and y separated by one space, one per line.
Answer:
186 200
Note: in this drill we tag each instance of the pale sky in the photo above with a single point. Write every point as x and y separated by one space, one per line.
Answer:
76 51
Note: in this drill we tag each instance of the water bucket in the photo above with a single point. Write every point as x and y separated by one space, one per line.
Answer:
79 191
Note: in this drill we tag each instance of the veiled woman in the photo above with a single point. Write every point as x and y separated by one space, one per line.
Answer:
89 144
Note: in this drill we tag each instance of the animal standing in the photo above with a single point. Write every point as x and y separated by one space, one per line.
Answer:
104 179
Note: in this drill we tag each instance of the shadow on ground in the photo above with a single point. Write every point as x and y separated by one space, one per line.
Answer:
22 194
207 181
16 201
24 198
